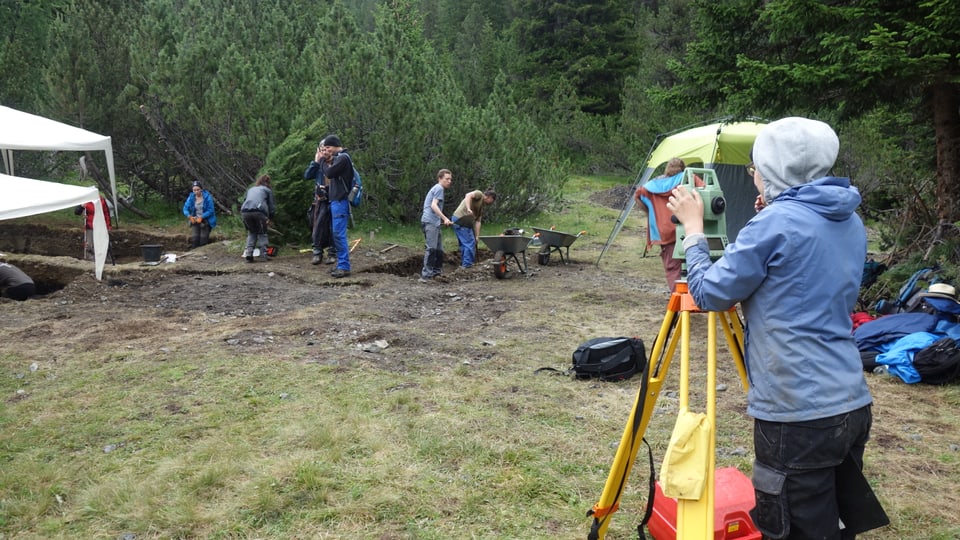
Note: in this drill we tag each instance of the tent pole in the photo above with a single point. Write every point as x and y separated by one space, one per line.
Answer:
8 161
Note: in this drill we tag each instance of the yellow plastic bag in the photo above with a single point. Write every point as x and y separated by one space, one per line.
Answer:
684 470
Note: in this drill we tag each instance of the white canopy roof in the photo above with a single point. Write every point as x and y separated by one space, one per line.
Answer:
26 197
24 131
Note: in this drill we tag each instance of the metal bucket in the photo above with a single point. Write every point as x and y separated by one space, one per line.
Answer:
151 252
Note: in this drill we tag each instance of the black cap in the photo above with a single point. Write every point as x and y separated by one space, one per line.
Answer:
331 140
196 183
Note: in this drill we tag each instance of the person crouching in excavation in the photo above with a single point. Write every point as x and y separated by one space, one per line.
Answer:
201 213
15 283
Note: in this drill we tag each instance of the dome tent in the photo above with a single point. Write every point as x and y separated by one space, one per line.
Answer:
723 146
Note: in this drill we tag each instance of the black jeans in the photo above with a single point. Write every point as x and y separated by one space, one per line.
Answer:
256 224
795 473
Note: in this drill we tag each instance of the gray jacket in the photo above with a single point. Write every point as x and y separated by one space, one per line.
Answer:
259 199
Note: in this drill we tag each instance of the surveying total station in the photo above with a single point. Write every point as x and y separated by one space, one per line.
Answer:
687 503
714 212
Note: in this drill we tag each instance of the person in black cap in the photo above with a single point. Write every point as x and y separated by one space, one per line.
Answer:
338 178
201 213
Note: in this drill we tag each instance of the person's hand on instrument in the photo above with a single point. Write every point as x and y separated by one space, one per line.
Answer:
687 206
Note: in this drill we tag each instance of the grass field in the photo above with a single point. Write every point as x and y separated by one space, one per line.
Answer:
132 409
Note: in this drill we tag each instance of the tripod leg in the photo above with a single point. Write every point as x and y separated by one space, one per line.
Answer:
695 517
637 422
733 330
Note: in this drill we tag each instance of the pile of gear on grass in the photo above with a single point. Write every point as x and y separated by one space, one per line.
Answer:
913 335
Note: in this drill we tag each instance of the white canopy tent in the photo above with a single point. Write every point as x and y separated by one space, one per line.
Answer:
24 131
25 197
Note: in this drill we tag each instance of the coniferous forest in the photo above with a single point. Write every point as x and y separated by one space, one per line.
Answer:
511 94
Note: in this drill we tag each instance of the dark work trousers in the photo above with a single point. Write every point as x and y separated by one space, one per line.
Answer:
256 224
199 234
20 292
795 474
322 233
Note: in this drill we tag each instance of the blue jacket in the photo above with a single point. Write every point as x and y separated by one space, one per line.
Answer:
209 210
795 268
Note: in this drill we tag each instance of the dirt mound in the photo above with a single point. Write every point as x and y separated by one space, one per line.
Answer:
615 197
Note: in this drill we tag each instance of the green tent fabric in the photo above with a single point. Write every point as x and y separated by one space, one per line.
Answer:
723 146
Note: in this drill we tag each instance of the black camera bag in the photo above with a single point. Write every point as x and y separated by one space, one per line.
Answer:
609 358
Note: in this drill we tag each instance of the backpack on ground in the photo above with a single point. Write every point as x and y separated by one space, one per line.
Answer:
939 362
909 299
609 358
356 191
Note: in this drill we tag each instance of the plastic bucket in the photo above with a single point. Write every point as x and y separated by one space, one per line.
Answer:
151 252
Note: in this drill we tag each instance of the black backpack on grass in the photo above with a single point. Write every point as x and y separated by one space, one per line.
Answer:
609 358
938 363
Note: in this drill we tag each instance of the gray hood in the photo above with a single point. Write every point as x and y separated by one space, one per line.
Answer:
793 151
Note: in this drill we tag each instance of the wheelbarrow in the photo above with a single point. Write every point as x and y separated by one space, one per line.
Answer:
554 241
505 248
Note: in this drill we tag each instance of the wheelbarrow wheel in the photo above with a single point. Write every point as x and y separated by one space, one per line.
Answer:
500 265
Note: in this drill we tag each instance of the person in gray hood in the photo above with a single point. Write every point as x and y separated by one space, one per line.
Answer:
795 269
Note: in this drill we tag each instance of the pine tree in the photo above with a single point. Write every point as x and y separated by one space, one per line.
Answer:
591 44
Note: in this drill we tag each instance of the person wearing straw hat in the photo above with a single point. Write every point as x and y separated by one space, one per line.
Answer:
942 298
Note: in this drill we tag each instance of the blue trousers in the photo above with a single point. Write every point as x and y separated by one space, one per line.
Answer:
340 212
468 245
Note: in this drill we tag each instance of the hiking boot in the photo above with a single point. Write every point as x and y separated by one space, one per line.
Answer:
315 260
440 278
331 259
248 256
338 273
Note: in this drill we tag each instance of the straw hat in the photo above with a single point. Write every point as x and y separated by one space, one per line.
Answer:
941 290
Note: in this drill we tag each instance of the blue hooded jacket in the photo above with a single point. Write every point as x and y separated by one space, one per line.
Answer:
209 210
795 268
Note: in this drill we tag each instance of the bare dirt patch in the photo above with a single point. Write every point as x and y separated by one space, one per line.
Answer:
382 318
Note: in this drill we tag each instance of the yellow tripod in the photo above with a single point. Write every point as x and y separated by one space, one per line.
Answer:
694 517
